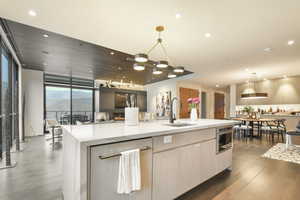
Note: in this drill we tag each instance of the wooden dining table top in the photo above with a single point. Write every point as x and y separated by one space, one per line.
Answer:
254 120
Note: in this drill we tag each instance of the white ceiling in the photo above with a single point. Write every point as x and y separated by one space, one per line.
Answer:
240 29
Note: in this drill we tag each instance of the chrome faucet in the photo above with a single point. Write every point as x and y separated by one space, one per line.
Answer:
172 116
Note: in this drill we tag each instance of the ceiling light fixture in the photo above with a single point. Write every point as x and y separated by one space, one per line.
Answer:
138 66
291 42
45 35
247 70
112 53
156 71
208 35
217 85
178 69
162 64
32 13
171 75
253 94
143 57
268 49
178 15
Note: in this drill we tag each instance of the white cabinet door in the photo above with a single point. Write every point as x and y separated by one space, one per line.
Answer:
178 170
104 173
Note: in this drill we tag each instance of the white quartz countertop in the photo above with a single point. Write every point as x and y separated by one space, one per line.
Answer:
95 134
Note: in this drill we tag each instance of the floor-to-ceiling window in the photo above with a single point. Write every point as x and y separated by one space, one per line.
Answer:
8 102
82 105
58 103
69 100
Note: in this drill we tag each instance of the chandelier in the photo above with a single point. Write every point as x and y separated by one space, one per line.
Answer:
142 58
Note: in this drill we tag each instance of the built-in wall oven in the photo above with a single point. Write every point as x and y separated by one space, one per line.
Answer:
224 139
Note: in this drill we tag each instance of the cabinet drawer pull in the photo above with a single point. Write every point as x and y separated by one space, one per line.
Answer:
119 154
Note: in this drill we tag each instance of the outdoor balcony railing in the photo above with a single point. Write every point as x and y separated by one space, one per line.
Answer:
64 117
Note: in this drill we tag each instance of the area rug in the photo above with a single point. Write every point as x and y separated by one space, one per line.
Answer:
278 152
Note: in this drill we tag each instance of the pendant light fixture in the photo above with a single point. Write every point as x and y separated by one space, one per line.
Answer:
254 94
161 64
178 69
141 57
171 75
156 71
138 66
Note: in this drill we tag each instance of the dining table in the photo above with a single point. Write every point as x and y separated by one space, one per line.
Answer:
252 121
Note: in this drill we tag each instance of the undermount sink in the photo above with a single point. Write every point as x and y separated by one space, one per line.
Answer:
179 124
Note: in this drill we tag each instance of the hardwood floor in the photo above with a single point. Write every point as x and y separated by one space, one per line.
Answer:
38 176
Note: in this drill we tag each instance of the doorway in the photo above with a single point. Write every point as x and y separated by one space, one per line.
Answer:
185 94
219 106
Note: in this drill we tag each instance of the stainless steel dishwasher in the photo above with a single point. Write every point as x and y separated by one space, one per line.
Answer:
104 167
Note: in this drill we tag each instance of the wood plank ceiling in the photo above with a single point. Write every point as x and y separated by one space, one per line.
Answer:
59 54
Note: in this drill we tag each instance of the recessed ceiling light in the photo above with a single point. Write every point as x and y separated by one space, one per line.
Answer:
32 13
268 49
119 68
178 15
45 35
112 53
247 70
217 85
208 35
291 42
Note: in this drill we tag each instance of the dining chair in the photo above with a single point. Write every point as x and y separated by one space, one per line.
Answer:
289 134
275 127
246 128
55 129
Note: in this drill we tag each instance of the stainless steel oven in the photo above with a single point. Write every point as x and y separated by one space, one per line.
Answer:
224 138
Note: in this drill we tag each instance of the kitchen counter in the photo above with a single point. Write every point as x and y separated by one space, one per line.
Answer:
97 134
89 177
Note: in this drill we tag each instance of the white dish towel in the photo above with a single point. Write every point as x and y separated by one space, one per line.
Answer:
129 179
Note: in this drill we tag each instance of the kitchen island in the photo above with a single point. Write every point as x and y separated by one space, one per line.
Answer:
174 158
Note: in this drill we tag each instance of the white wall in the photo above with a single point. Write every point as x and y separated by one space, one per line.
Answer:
232 100
155 88
33 91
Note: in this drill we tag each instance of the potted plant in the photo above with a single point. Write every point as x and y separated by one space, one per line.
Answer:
248 110
193 103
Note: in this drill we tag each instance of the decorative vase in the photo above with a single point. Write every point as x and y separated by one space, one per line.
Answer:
194 114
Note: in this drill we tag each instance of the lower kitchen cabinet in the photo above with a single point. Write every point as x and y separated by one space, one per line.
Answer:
104 173
177 170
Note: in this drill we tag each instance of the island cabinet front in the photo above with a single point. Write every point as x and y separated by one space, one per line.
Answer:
104 168
182 163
